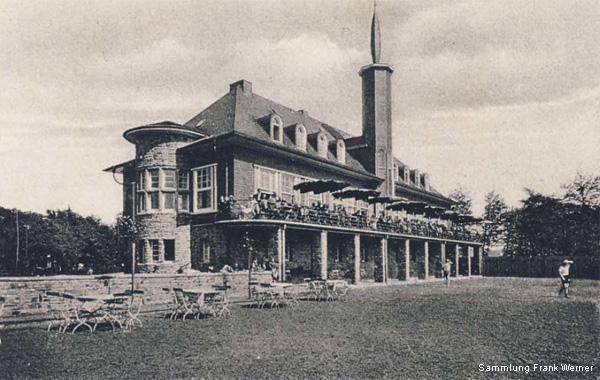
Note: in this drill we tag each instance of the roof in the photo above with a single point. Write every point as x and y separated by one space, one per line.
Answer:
245 113
163 126
119 168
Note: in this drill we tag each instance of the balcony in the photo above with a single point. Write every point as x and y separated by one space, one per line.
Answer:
322 215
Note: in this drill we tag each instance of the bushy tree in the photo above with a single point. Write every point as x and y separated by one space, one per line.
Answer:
493 227
584 190
59 242
463 201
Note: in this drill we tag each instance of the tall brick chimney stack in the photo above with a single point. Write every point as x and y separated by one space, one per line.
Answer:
377 112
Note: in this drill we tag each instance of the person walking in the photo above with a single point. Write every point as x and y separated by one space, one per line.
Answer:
565 277
447 268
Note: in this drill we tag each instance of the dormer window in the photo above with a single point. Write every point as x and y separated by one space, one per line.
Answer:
322 145
395 172
300 137
276 128
340 151
417 179
406 174
426 184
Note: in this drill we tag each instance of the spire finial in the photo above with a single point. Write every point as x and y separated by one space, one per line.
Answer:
375 36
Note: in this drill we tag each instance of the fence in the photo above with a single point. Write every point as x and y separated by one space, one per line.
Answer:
23 293
583 267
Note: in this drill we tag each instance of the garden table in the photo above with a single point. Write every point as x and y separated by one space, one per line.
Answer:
97 308
201 299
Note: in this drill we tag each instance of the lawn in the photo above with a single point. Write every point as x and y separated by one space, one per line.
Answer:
401 332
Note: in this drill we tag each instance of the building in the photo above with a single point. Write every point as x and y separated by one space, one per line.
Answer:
203 191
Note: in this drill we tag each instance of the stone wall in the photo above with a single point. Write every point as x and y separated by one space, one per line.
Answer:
23 294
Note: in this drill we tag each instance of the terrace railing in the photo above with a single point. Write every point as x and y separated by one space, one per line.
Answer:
232 210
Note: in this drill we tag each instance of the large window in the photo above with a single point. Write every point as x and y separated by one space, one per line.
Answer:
154 178
205 189
283 185
155 247
183 187
169 201
169 250
169 175
154 200
287 187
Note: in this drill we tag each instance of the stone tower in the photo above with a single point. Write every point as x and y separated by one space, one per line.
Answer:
377 113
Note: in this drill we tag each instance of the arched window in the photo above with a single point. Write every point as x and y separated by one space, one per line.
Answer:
300 137
322 145
340 151
276 128
381 163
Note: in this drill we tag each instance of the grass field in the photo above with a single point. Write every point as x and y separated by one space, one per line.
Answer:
401 332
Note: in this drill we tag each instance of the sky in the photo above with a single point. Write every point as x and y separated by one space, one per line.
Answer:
487 95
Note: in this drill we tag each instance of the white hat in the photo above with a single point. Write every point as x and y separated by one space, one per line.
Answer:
567 262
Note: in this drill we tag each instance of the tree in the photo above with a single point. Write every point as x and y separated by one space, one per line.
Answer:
493 213
584 190
463 201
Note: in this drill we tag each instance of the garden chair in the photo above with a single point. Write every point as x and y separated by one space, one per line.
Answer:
127 308
62 309
185 306
221 300
171 303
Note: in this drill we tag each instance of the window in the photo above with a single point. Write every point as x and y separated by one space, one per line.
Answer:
341 151
141 205
141 251
169 175
184 202
142 180
276 127
154 200
426 183
267 180
205 190
417 178
322 145
300 137
169 250
287 187
169 201
154 182
155 250
183 181
396 172
406 174
205 251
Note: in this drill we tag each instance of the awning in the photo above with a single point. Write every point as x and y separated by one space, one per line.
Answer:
384 200
356 193
120 167
410 207
467 219
320 186
434 212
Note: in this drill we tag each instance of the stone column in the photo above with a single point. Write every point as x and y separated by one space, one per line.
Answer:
283 253
280 254
426 260
356 259
469 254
407 258
384 258
480 254
443 252
323 255
457 255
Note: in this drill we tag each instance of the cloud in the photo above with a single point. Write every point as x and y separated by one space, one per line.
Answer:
497 53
